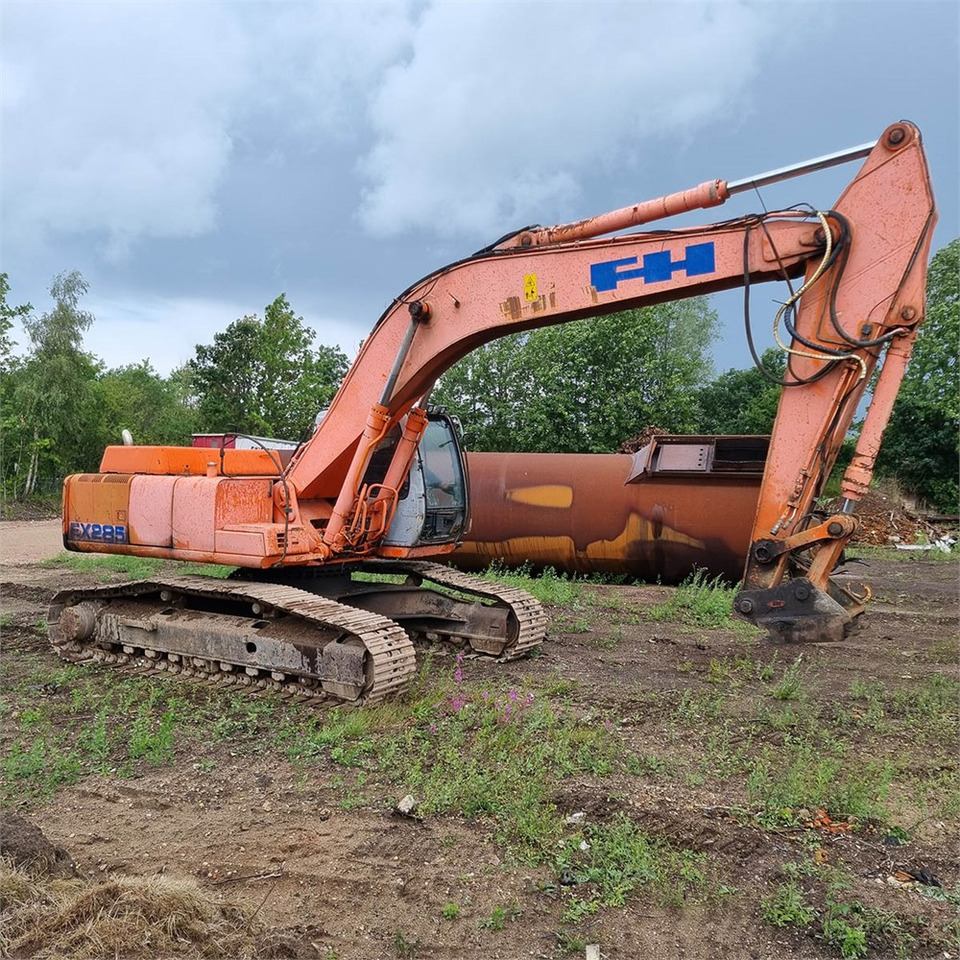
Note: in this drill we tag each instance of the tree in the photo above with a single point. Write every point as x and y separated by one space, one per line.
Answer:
743 401
264 377
8 314
10 422
51 389
584 386
921 446
137 398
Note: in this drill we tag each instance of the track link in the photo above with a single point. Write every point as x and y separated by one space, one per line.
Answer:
189 626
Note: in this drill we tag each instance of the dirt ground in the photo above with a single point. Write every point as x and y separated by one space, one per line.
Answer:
333 867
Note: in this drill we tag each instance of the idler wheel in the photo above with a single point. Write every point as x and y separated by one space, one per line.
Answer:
79 621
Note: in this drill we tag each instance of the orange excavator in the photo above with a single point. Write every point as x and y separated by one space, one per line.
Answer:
331 588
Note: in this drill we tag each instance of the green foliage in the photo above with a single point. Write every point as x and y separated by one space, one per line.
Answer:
743 401
8 314
265 377
450 911
617 859
852 928
499 917
549 587
496 753
785 907
790 683
133 568
405 949
801 775
99 723
585 386
47 397
135 397
698 601
921 446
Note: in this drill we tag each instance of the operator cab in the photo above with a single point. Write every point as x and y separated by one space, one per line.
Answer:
433 502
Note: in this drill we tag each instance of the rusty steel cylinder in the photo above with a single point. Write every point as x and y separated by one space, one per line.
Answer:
578 514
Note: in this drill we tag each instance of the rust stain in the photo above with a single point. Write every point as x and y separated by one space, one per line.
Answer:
575 513
511 308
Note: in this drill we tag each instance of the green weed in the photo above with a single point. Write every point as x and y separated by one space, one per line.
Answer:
404 948
801 775
640 764
785 907
892 554
500 916
133 568
549 587
851 928
696 708
450 911
152 736
698 601
570 942
719 672
495 753
621 859
790 683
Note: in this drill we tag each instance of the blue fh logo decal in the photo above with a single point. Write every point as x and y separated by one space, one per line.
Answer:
656 267
98 532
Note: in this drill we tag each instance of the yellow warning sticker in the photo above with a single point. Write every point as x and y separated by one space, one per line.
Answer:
530 287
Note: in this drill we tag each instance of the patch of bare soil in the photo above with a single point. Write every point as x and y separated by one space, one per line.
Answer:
333 872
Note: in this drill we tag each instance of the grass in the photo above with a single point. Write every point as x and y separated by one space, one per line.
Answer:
751 725
500 917
495 753
790 682
700 602
848 928
785 907
614 860
133 568
892 554
549 587
802 776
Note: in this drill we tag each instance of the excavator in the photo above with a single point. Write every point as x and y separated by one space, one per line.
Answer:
331 589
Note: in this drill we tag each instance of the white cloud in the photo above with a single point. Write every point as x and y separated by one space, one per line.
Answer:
121 118
504 108
166 330
118 118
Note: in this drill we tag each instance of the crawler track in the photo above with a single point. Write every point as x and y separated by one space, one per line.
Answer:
289 637
528 621
255 636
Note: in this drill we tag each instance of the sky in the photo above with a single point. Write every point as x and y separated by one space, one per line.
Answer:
194 160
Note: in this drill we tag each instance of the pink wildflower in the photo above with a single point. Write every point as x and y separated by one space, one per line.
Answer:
512 695
458 675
